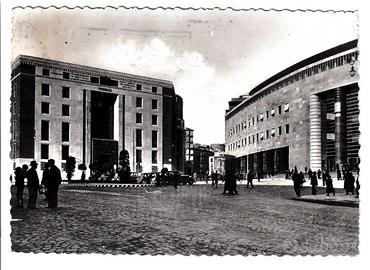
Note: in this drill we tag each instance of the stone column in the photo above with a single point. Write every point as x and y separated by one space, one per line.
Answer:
315 133
339 125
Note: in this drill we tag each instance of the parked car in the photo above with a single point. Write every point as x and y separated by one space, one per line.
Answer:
186 180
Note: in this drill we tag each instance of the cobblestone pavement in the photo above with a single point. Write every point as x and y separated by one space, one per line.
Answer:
194 220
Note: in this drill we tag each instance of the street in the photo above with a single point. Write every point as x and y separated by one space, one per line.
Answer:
189 220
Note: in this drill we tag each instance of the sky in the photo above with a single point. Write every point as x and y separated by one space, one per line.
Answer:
210 56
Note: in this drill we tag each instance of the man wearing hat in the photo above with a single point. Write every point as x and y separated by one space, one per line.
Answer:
32 184
52 184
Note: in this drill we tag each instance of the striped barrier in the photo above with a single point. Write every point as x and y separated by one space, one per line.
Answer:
103 185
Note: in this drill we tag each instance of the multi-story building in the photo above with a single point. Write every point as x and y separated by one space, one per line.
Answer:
201 154
306 116
189 152
60 109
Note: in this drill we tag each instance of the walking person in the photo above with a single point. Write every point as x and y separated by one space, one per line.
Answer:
349 182
319 173
53 181
329 186
227 182
33 184
357 188
324 177
44 179
233 185
297 183
309 174
314 183
216 179
250 178
19 184
339 175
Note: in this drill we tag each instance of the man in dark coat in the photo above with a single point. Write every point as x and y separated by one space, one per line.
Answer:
45 178
324 177
297 183
53 181
233 179
250 178
329 186
314 183
349 182
309 174
33 184
227 182
19 184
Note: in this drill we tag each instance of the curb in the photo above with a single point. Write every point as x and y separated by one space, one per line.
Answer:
111 185
335 203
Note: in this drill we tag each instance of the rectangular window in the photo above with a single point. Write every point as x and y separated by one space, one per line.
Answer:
286 107
257 137
65 92
267 134
279 131
154 120
138 87
267 114
249 140
273 132
154 104
45 72
138 156
154 169
139 118
272 112
154 157
287 128
65 152
154 89
139 102
66 75
94 79
139 142
261 136
154 138
65 132
45 89
279 109
252 138
44 151
257 118
44 130
261 116
45 107
252 121
65 110
14 129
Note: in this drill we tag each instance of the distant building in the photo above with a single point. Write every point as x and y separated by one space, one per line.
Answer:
61 109
306 116
189 151
219 161
220 147
201 159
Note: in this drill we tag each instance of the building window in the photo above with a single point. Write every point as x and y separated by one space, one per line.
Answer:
287 128
252 138
139 102
267 134
154 138
154 169
65 110
45 89
252 121
261 117
65 132
44 130
14 129
286 107
94 79
139 142
249 140
154 157
138 87
138 156
65 152
257 138
267 114
279 131
272 112
154 120
154 104
45 72
257 118
154 89
66 75
261 136
65 92
44 151
279 109
45 107
273 132
139 118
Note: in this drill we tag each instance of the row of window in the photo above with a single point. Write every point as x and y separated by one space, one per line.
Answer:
45 108
139 103
45 126
99 80
139 156
139 138
330 64
45 151
255 138
45 90
258 118
139 119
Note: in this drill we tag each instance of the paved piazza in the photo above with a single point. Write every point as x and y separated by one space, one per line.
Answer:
190 220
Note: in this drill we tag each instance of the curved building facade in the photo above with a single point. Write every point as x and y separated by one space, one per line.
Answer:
306 116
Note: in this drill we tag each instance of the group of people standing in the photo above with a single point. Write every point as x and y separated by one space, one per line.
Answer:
230 183
51 179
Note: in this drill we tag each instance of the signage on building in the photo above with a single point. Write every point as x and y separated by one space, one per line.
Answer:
104 89
337 107
79 77
330 136
330 116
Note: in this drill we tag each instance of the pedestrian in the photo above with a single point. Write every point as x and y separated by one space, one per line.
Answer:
216 179
324 177
19 184
329 186
250 178
259 175
176 179
287 173
305 169
227 182
53 181
314 183
339 175
297 183
309 174
45 178
357 188
319 173
33 184
349 182
233 185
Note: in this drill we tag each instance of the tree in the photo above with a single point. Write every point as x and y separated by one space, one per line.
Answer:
70 167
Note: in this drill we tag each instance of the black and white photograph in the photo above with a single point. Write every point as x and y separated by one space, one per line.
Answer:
141 130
